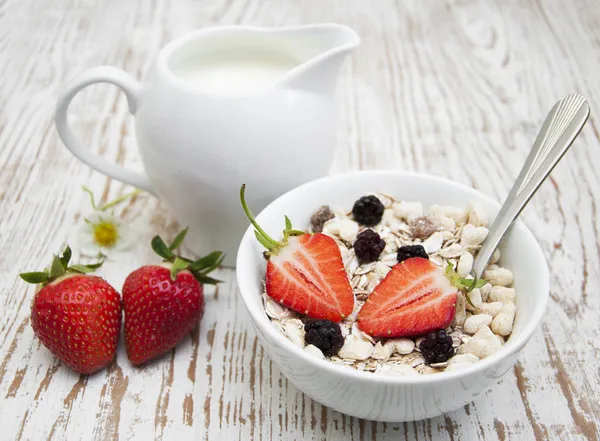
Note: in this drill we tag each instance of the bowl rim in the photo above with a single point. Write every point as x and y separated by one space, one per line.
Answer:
243 271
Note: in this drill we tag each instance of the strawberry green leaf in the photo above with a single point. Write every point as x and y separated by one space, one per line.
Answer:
66 256
82 269
469 284
161 248
214 266
208 280
296 232
462 283
262 240
178 239
206 261
95 266
288 223
57 269
35 277
178 265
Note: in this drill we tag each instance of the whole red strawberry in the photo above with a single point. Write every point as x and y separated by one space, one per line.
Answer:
163 303
75 315
305 272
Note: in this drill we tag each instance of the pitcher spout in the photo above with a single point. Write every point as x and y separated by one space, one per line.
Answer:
320 50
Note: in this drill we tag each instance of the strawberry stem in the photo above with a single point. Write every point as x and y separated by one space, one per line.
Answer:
267 241
199 268
464 284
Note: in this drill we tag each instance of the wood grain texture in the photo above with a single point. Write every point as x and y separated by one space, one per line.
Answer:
455 88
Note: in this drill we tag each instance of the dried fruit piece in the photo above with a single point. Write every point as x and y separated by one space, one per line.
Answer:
437 347
318 219
368 210
422 227
408 251
325 335
368 246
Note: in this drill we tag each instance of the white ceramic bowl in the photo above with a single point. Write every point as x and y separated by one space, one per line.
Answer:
383 397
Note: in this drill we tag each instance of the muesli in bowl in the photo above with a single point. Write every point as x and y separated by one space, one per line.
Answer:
387 287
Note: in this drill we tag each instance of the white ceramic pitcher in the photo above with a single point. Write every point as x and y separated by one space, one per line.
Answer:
221 107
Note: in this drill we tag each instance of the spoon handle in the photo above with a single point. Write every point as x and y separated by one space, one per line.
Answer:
561 127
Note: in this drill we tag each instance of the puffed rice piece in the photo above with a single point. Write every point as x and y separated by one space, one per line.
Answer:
396 369
477 215
483 344
400 346
355 348
346 229
473 236
473 323
381 352
495 257
435 210
313 350
503 322
465 264
408 210
388 217
503 294
475 298
491 308
485 291
458 214
446 223
448 236
499 276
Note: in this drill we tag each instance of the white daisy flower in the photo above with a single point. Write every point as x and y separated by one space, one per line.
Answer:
102 232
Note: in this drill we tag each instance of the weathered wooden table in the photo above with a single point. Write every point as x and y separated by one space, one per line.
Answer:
455 88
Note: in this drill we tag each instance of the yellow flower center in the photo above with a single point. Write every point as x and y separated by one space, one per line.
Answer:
106 234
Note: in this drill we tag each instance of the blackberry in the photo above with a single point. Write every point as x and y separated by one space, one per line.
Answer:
437 347
368 211
325 335
408 251
368 246
322 215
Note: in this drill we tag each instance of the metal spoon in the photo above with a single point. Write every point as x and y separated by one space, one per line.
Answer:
561 127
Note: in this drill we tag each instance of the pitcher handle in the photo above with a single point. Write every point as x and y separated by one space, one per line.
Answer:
131 88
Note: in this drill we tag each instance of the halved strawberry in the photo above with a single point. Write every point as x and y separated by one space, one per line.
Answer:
305 272
415 297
